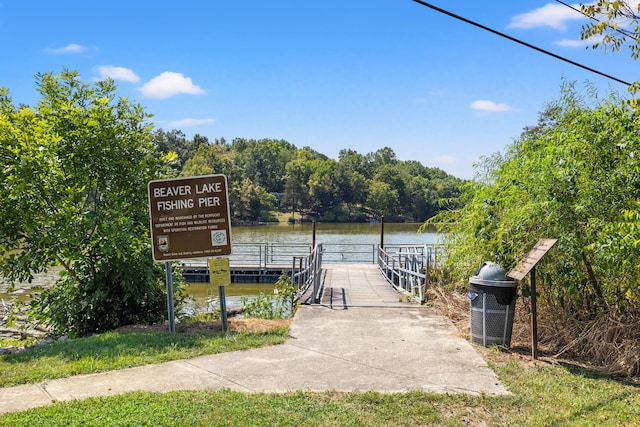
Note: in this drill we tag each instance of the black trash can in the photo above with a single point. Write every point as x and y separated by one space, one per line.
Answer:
493 301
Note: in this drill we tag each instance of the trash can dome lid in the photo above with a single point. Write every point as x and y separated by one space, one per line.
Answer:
492 274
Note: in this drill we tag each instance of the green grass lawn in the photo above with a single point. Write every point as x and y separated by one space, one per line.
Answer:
542 394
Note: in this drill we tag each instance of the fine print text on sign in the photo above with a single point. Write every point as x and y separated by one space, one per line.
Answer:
190 217
532 258
219 272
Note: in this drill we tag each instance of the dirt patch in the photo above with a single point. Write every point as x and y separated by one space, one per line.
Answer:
239 325
455 306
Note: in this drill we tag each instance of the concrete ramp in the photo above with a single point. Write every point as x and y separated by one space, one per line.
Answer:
367 344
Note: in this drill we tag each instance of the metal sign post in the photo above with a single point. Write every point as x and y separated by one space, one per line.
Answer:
526 265
220 274
170 313
189 219
223 309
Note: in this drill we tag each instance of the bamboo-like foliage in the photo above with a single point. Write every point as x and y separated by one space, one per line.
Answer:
575 177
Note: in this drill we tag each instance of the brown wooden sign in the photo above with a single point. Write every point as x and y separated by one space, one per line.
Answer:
190 218
531 259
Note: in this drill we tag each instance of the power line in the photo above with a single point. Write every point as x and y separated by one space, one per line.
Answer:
491 30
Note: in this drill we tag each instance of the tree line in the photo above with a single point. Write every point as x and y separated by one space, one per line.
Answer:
267 176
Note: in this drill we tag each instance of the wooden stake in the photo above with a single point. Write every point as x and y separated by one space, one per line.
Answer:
534 316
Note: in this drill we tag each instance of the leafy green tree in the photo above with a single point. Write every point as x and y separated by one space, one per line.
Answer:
322 188
423 198
264 161
392 174
176 142
307 181
383 156
296 191
268 205
613 25
212 159
73 177
253 204
352 161
382 200
248 202
351 188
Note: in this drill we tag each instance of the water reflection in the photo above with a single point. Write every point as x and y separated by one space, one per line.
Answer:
361 233
204 297
22 291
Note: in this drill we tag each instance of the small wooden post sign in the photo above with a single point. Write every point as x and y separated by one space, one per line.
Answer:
526 265
532 258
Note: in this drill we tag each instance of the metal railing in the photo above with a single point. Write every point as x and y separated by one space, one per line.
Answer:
350 253
264 255
406 268
367 253
307 273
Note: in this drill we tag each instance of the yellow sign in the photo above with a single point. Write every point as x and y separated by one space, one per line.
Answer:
219 273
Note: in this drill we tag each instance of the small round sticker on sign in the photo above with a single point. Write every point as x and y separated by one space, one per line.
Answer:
218 237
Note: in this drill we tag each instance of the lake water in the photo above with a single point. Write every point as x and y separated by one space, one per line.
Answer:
406 233
342 243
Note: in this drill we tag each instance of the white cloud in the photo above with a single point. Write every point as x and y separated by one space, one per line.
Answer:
489 106
550 15
579 43
444 160
188 122
70 48
169 84
117 73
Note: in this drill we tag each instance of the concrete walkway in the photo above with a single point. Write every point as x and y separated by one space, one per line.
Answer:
377 344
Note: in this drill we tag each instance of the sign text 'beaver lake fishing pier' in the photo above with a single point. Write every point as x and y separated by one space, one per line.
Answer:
190 218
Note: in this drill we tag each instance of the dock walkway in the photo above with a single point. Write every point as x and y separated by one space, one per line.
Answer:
358 285
360 338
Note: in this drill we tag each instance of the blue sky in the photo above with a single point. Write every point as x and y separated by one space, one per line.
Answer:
332 74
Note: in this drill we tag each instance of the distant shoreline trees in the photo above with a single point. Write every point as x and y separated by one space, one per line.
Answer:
268 176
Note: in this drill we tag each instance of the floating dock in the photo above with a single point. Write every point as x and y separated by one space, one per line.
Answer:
199 273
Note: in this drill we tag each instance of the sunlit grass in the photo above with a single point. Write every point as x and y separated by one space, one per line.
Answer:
113 350
542 395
